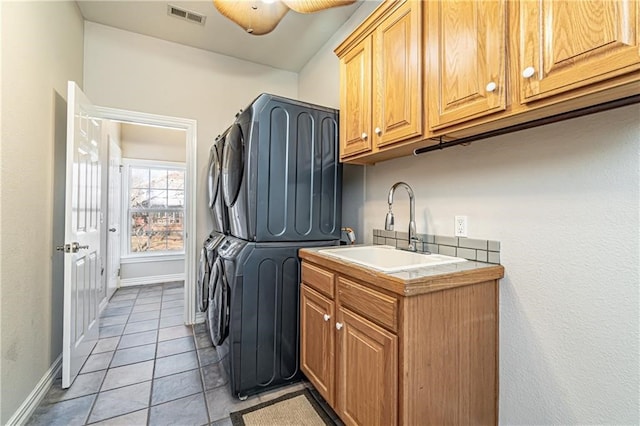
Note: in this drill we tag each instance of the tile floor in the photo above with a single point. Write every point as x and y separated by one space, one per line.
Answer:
148 369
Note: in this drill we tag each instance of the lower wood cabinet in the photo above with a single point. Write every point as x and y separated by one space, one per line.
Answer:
382 358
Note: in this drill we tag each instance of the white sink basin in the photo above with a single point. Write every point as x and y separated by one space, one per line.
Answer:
389 259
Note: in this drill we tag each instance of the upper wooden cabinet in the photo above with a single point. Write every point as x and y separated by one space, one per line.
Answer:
417 72
397 90
568 44
467 60
355 100
381 80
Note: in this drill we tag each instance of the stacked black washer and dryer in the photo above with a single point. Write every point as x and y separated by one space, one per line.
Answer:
276 174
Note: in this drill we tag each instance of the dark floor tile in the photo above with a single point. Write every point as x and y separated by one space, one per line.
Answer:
121 401
190 410
167 312
214 376
138 339
175 346
140 326
144 316
220 403
172 296
122 303
166 304
110 311
173 286
172 321
133 355
203 341
176 364
208 356
128 375
97 362
146 307
83 385
174 332
137 418
148 299
114 320
223 422
105 345
65 413
176 386
119 296
151 287
111 330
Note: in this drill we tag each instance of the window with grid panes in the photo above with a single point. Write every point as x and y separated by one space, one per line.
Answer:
155 208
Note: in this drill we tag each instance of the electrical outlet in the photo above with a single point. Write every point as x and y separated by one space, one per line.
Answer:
460 226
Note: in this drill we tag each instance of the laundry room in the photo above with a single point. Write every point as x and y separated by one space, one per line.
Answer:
530 213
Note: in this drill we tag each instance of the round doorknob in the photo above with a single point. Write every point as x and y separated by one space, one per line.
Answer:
528 72
378 131
339 325
112 229
364 136
491 86
326 317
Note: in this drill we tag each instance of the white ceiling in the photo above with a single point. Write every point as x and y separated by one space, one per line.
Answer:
294 41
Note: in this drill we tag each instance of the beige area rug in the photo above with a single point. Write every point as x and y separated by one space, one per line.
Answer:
296 408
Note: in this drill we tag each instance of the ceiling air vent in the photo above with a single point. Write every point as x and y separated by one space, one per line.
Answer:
187 15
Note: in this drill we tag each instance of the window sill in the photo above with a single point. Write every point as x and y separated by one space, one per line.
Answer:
147 258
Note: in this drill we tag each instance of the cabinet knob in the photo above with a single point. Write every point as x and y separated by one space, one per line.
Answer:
378 131
528 72
326 317
364 136
491 86
339 325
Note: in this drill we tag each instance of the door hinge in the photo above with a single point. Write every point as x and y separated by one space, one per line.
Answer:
120 166
118 271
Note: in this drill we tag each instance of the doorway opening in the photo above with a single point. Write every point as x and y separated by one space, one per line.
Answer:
151 142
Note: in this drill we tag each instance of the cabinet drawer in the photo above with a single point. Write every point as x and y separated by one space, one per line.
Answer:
377 307
318 279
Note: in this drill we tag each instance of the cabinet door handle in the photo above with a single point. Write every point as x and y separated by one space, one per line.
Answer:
339 325
528 72
326 317
378 131
364 136
491 86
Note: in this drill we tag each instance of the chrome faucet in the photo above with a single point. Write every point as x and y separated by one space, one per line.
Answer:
388 223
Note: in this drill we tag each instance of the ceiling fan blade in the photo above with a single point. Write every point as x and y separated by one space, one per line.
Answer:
310 6
255 17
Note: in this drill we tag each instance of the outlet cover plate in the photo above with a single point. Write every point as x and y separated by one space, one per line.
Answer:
460 226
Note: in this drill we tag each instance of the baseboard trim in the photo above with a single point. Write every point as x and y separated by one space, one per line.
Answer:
36 396
155 279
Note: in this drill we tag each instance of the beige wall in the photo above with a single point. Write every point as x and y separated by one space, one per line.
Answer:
153 143
134 72
42 48
319 82
564 201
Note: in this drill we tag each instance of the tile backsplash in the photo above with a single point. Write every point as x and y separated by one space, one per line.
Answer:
468 248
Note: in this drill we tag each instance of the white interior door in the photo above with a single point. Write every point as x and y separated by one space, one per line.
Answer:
113 217
82 234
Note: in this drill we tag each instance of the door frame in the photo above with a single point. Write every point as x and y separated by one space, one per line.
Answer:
190 128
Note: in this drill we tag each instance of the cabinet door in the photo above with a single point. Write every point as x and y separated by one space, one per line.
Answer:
317 341
367 368
467 66
397 93
355 100
567 44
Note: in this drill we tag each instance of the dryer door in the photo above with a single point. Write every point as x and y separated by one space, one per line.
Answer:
213 179
219 315
232 165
